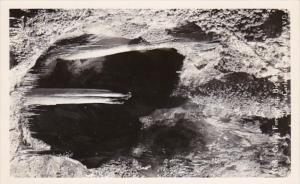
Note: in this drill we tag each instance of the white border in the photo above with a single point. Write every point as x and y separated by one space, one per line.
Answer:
291 5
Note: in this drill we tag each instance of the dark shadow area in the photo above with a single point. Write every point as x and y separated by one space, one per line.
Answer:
270 28
150 75
179 138
92 133
12 60
96 133
163 140
268 126
273 25
191 31
21 15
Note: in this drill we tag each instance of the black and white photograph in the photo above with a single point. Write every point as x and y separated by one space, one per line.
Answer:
149 92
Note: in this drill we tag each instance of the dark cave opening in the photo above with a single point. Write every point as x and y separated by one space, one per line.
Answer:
150 76
95 133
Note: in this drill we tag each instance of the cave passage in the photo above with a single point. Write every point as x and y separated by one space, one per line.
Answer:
95 133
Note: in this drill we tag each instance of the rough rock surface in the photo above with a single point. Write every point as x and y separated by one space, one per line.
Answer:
234 79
